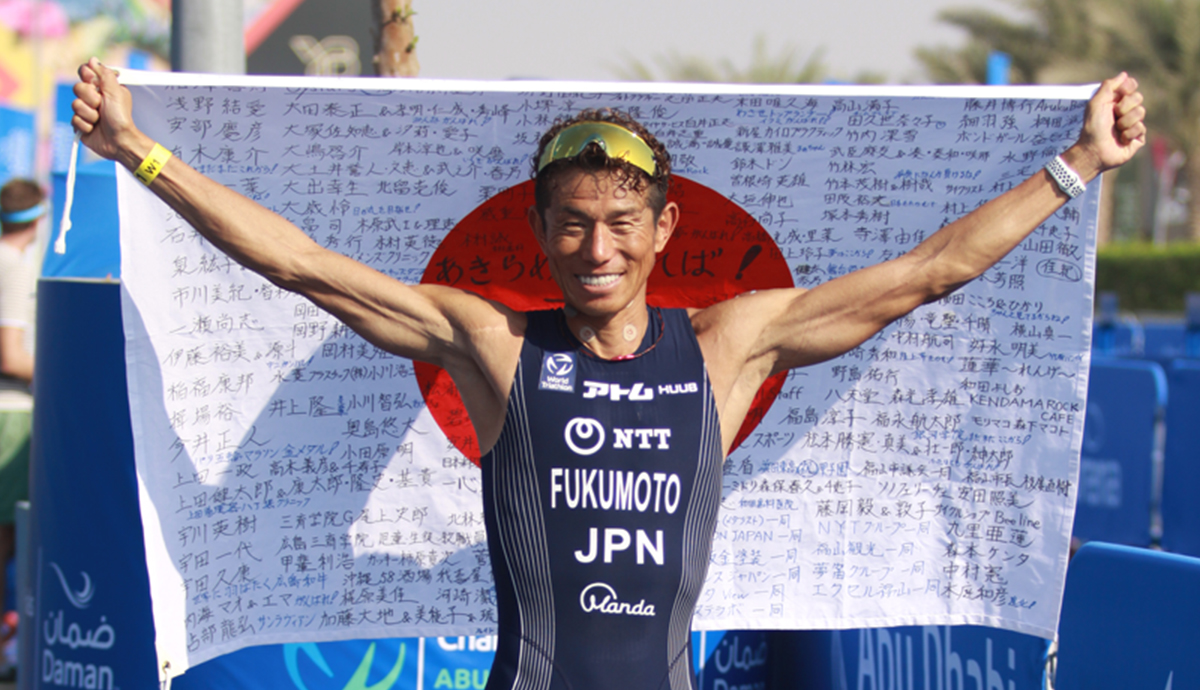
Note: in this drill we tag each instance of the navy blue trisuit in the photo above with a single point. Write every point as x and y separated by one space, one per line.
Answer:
600 499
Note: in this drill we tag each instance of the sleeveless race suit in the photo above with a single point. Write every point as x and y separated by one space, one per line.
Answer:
600 499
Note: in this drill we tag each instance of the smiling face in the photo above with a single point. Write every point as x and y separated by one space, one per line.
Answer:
601 240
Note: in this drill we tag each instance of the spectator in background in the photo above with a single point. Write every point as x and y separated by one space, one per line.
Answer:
22 206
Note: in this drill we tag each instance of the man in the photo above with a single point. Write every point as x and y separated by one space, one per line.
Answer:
603 425
21 207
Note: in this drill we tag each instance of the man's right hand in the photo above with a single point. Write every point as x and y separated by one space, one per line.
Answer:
104 115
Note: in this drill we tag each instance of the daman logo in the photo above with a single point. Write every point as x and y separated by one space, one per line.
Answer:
81 599
599 597
579 434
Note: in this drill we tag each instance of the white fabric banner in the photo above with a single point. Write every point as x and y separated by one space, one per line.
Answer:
299 484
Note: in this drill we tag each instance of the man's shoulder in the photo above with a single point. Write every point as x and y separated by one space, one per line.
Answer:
492 331
733 330
472 315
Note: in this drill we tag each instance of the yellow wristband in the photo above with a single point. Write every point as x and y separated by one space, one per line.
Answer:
152 164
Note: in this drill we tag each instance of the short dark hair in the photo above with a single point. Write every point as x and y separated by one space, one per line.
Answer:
19 194
594 159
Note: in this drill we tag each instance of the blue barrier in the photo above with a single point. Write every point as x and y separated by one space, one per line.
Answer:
1129 620
1122 447
1164 340
728 660
731 660
1123 337
1181 464
91 596
907 658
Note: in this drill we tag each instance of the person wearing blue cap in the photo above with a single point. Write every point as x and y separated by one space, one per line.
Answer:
22 205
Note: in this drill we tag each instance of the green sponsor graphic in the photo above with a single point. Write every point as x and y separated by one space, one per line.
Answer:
358 681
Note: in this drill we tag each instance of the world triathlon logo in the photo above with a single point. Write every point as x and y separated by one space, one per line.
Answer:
560 363
558 372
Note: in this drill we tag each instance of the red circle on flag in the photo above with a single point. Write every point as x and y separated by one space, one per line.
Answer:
718 251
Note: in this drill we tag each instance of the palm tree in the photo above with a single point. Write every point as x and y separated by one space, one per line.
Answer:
1058 43
1159 42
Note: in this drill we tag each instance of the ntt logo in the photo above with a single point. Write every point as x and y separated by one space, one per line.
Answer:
585 436
600 597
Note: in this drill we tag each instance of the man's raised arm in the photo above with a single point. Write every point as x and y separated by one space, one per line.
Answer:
773 331
410 321
477 341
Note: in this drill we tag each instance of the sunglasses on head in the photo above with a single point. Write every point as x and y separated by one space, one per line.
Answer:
614 140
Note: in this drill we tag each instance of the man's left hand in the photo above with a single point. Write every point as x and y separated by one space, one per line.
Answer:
1114 127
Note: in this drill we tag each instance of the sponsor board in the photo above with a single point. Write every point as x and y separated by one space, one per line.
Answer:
909 658
75 641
